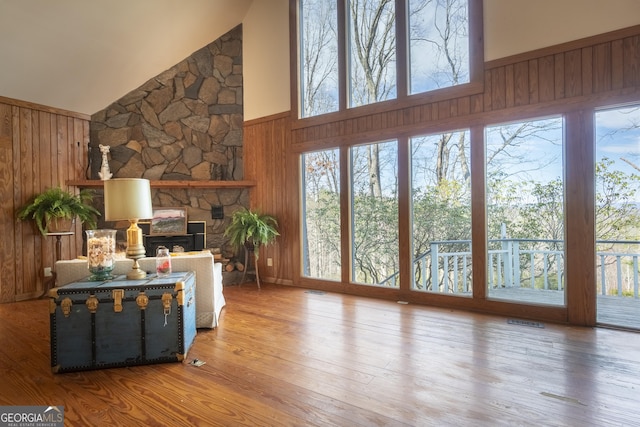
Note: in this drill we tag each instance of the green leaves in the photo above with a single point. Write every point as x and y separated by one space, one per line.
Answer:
58 203
253 228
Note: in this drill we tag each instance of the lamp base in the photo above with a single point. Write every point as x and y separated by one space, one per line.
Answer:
136 272
135 250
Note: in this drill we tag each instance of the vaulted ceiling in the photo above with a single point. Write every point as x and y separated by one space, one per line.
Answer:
82 55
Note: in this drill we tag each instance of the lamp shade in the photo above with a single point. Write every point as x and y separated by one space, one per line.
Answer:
127 198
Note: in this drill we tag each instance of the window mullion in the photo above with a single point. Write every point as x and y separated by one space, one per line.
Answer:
402 48
342 54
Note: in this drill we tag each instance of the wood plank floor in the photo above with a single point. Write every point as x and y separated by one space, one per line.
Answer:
291 357
623 312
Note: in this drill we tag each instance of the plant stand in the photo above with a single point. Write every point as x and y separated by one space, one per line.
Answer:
253 270
50 281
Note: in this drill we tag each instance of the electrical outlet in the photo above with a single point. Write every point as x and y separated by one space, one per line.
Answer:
47 272
269 262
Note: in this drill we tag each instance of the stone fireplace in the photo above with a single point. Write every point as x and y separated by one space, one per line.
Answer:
183 126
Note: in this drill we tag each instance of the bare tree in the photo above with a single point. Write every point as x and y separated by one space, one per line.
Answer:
320 59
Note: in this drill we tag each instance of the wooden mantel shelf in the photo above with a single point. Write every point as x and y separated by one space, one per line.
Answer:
95 183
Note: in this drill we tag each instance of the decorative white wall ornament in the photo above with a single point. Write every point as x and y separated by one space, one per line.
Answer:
105 172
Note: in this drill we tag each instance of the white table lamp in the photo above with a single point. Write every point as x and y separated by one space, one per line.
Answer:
129 199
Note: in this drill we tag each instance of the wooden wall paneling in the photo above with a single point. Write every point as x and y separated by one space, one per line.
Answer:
510 85
267 151
573 73
33 157
463 106
392 120
28 283
78 141
18 200
602 67
46 149
587 70
521 83
617 64
546 81
498 89
631 57
65 156
534 94
7 207
425 113
65 168
453 108
477 103
39 245
443 110
558 65
487 91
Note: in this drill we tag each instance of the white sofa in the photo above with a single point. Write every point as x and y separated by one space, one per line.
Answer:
209 297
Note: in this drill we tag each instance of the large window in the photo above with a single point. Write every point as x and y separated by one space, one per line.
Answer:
318 57
438 44
372 51
374 214
374 67
321 215
525 211
441 213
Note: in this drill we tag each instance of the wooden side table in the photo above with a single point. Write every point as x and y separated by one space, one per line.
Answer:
50 281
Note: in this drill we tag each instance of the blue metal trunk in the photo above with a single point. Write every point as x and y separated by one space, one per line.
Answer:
122 322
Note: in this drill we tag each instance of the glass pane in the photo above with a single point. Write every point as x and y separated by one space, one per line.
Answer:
618 216
321 215
318 57
372 51
374 214
441 213
438 44
525 211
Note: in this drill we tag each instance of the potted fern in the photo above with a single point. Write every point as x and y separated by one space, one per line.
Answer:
54 207
251 230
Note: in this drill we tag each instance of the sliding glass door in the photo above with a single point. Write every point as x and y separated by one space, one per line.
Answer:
618 216
525 211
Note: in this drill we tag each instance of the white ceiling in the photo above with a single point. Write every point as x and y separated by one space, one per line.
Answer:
81 55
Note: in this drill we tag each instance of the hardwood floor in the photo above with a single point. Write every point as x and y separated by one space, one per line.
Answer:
292 357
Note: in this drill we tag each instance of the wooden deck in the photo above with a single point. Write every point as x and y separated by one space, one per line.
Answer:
285 356
612 311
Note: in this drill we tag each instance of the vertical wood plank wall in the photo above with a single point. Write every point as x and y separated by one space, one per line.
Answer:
40 147
572 78
268 160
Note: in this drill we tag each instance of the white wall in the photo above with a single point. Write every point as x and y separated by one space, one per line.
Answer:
548 22
265 41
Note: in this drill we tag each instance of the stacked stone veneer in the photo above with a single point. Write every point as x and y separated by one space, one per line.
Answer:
182 125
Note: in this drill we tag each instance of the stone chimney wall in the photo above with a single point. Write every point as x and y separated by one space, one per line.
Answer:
182 125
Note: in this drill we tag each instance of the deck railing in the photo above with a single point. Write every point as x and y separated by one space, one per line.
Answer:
525 263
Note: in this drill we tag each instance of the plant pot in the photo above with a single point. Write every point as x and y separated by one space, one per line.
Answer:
59 225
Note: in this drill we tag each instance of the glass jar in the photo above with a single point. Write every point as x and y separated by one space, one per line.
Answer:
163 261
101 248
